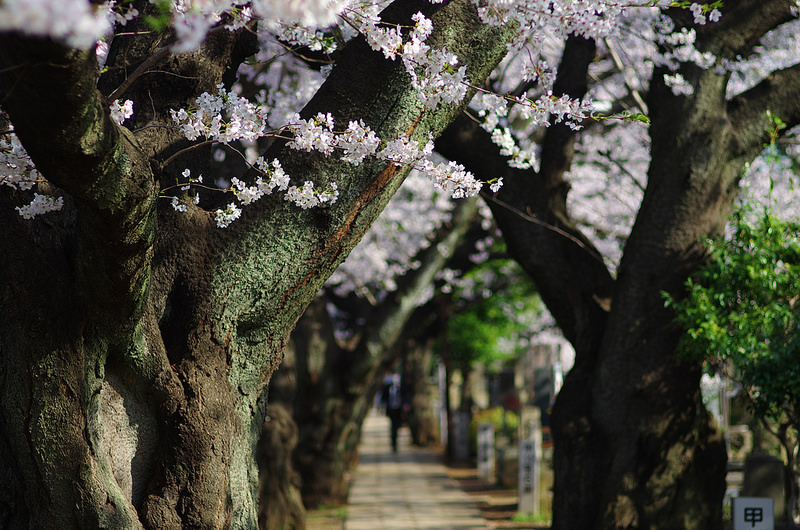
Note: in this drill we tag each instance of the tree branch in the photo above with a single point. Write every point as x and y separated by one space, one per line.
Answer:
742 25
362 85
95 161
779 93
567 270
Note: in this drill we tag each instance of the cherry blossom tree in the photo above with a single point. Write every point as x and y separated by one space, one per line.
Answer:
634 446
163 231
140 339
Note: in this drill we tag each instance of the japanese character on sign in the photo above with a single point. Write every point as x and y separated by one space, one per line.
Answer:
753 515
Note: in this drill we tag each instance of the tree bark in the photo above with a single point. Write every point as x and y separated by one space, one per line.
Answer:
634 446
139 342
417 363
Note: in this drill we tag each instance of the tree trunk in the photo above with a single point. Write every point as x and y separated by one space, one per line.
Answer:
139 342
280 504
422 419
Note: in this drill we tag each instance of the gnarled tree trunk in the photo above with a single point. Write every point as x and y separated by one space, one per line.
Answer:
136 343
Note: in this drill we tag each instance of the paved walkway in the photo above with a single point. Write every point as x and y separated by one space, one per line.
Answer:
409 489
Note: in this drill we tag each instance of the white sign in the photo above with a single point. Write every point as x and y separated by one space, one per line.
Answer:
528 476
486 451
753 513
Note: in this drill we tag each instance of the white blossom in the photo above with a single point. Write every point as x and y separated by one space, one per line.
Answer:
121 112
307 197
313 134
491 108
404 151
39 205
357 142
178 205
224 117
435 73
225 217
679 85
75 22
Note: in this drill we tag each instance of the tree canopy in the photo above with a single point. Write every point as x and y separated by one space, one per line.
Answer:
151 307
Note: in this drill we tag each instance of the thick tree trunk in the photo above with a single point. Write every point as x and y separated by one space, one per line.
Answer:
136 344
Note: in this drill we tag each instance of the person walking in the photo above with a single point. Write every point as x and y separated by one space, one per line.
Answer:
397 407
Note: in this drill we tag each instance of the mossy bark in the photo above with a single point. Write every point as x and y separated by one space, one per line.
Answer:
120 312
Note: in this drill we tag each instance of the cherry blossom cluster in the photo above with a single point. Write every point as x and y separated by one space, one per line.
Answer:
39 205
76 22
447 176
435 73
778 49
271 176
359 142
546 109
18 172
315 40
193 19
679 46
224 117
121 111
80 23
388 249
305 197
540 20
607 180
179 204
699 12
227 117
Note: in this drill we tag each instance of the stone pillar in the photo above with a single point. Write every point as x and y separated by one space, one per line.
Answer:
461 436
486 451
530 461
764 476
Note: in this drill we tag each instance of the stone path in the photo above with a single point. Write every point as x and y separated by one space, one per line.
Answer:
409 489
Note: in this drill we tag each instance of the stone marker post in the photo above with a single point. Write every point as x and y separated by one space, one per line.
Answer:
530 457
486 451
530 419
461 436
764 477
442 404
